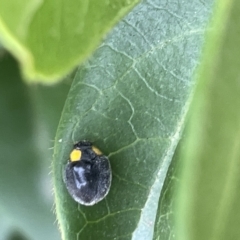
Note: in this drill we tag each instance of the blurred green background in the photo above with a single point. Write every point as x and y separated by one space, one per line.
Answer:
27 132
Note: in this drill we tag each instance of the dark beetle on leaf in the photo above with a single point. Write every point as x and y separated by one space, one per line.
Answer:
87 174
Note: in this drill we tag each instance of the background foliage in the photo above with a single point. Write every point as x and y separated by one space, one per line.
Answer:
51 37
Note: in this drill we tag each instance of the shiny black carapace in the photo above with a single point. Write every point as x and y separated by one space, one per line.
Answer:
87 174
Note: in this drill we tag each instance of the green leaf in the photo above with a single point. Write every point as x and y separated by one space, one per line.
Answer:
208 204
164 225
50 37
130 99
27 129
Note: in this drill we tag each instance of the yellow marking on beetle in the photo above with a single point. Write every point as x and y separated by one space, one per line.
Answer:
75 155
96 150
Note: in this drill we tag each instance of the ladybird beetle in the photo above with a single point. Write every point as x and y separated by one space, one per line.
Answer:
87 174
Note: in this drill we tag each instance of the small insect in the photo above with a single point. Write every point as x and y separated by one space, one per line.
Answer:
87 174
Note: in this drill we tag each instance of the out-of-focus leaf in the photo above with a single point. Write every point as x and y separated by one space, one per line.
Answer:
208 204
130 99
26 133
50 37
